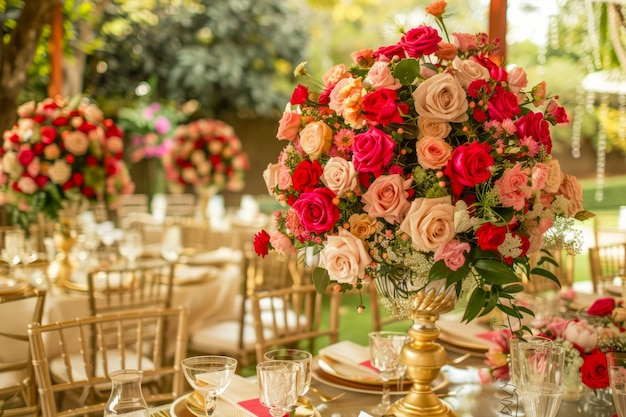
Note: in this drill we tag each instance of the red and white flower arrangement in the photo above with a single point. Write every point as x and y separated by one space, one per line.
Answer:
206 154
423 161
61 151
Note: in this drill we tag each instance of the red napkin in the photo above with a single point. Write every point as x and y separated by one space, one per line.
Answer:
255 407
368 364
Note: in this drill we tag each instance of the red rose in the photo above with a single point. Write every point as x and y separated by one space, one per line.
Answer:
261 243
114 131
48 133
503 105
380 106
490 236
602 307
594 370
423 40
69 158
85 127
324 97
41 180
40 118
78 179
306 175
300 95
61 121
389 51
25 157
88 192
38 148
469 165
534 125
91 161
316 210
372 150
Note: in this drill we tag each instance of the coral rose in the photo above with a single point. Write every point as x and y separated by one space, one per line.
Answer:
288 126
433 152
387 198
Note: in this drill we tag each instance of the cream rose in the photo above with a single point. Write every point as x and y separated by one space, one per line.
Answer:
59 172
429 127
270 175
379 76
344 257
387 198
27 185
315 139
339 175
93 114
468 70
11 166
429 223
555 176
582 334
442 99
362 225
76 142
571 189
433 152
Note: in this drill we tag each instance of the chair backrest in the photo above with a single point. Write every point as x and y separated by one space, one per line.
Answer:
289 316
607 262
564 271
17 386
130 205
146 285
120 337
181 205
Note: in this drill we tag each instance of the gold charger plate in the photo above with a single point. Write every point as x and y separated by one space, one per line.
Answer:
463 335
191 405
12 286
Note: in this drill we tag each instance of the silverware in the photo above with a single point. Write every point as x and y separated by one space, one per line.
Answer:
460 359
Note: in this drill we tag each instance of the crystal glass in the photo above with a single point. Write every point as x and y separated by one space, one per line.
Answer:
385 348
616 362
513 348
279 385
126 397
131 245
209 375
172 243
301 357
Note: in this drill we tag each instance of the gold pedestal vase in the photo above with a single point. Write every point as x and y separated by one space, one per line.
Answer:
423 357
64 237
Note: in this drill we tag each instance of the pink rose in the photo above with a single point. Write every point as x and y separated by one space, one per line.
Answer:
76 142
452 253
422 40
316 210
433 152
429 223
503 105
556 113
34 168
555 176
270 175
517 81
468 70
557 327
372 150
288 126
387 198
582 334
469 165
315 139
339 175
573 192
379 76
464 41
513 187
282 244
284 178
441 98
344 257
534 125
539 175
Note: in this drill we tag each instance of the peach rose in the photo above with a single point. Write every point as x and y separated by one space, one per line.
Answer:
433 152
571 189
427 72
189 175
93 114
282 244
555 176
582 334
513 187
539 175
26 109
446 51
429 127
464 41
437 8
362 55
442 99
387 198
76 142
346 99
379 76
27 185
59 172
115 144
52 151
334 74
430 223
517 81
288 126
34 168
270 175
362 225
339 175
11 165
315 139
468 70
344 257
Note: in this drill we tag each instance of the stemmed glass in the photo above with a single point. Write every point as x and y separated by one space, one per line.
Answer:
172 243
279 385
301 357
209 375
385 348
617 376
131 245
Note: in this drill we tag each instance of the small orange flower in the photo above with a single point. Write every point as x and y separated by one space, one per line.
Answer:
446 51
436 8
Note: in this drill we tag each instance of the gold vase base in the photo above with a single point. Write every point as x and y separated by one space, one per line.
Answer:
60 271
420 405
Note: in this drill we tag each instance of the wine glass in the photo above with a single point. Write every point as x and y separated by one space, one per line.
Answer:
279 385
131 245
172 243
301 357
617 376
209 375
385 348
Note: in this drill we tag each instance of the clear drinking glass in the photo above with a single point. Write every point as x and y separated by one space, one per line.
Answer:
172 243
126 397
279 385
385 348
131 245
513 344
616 362
301 357
209 375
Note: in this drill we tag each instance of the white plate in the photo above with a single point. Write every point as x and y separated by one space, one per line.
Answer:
462 335
12 286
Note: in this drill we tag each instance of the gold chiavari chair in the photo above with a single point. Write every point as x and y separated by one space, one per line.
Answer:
607 262
68 382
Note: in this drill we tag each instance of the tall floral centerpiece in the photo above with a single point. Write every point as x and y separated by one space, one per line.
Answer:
60 156
206 157
426 168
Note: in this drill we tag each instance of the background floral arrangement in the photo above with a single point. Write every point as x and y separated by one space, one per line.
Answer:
149 129
586 340
423 161
206 154
57 152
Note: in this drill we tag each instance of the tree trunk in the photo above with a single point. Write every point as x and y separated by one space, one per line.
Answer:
17 56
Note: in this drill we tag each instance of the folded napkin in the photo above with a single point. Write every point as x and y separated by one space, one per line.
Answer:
244 394
351 358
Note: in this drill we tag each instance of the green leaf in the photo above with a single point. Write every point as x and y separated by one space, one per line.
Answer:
475 303
438 271
495 272
509 311
547 274
513 288
494 296
407 71
321 279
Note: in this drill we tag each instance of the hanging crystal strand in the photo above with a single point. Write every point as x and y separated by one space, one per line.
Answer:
592 27
601 147
577 124
553 32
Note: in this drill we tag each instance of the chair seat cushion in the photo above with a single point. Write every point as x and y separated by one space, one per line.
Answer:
12 379
223 337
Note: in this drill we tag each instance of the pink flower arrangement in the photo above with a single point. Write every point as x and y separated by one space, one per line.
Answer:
422 161
206 154
60 151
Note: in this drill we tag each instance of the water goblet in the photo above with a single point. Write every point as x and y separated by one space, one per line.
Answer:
279 385
209 375
616 362
131 245
513 349
172 245
385 348
301 357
